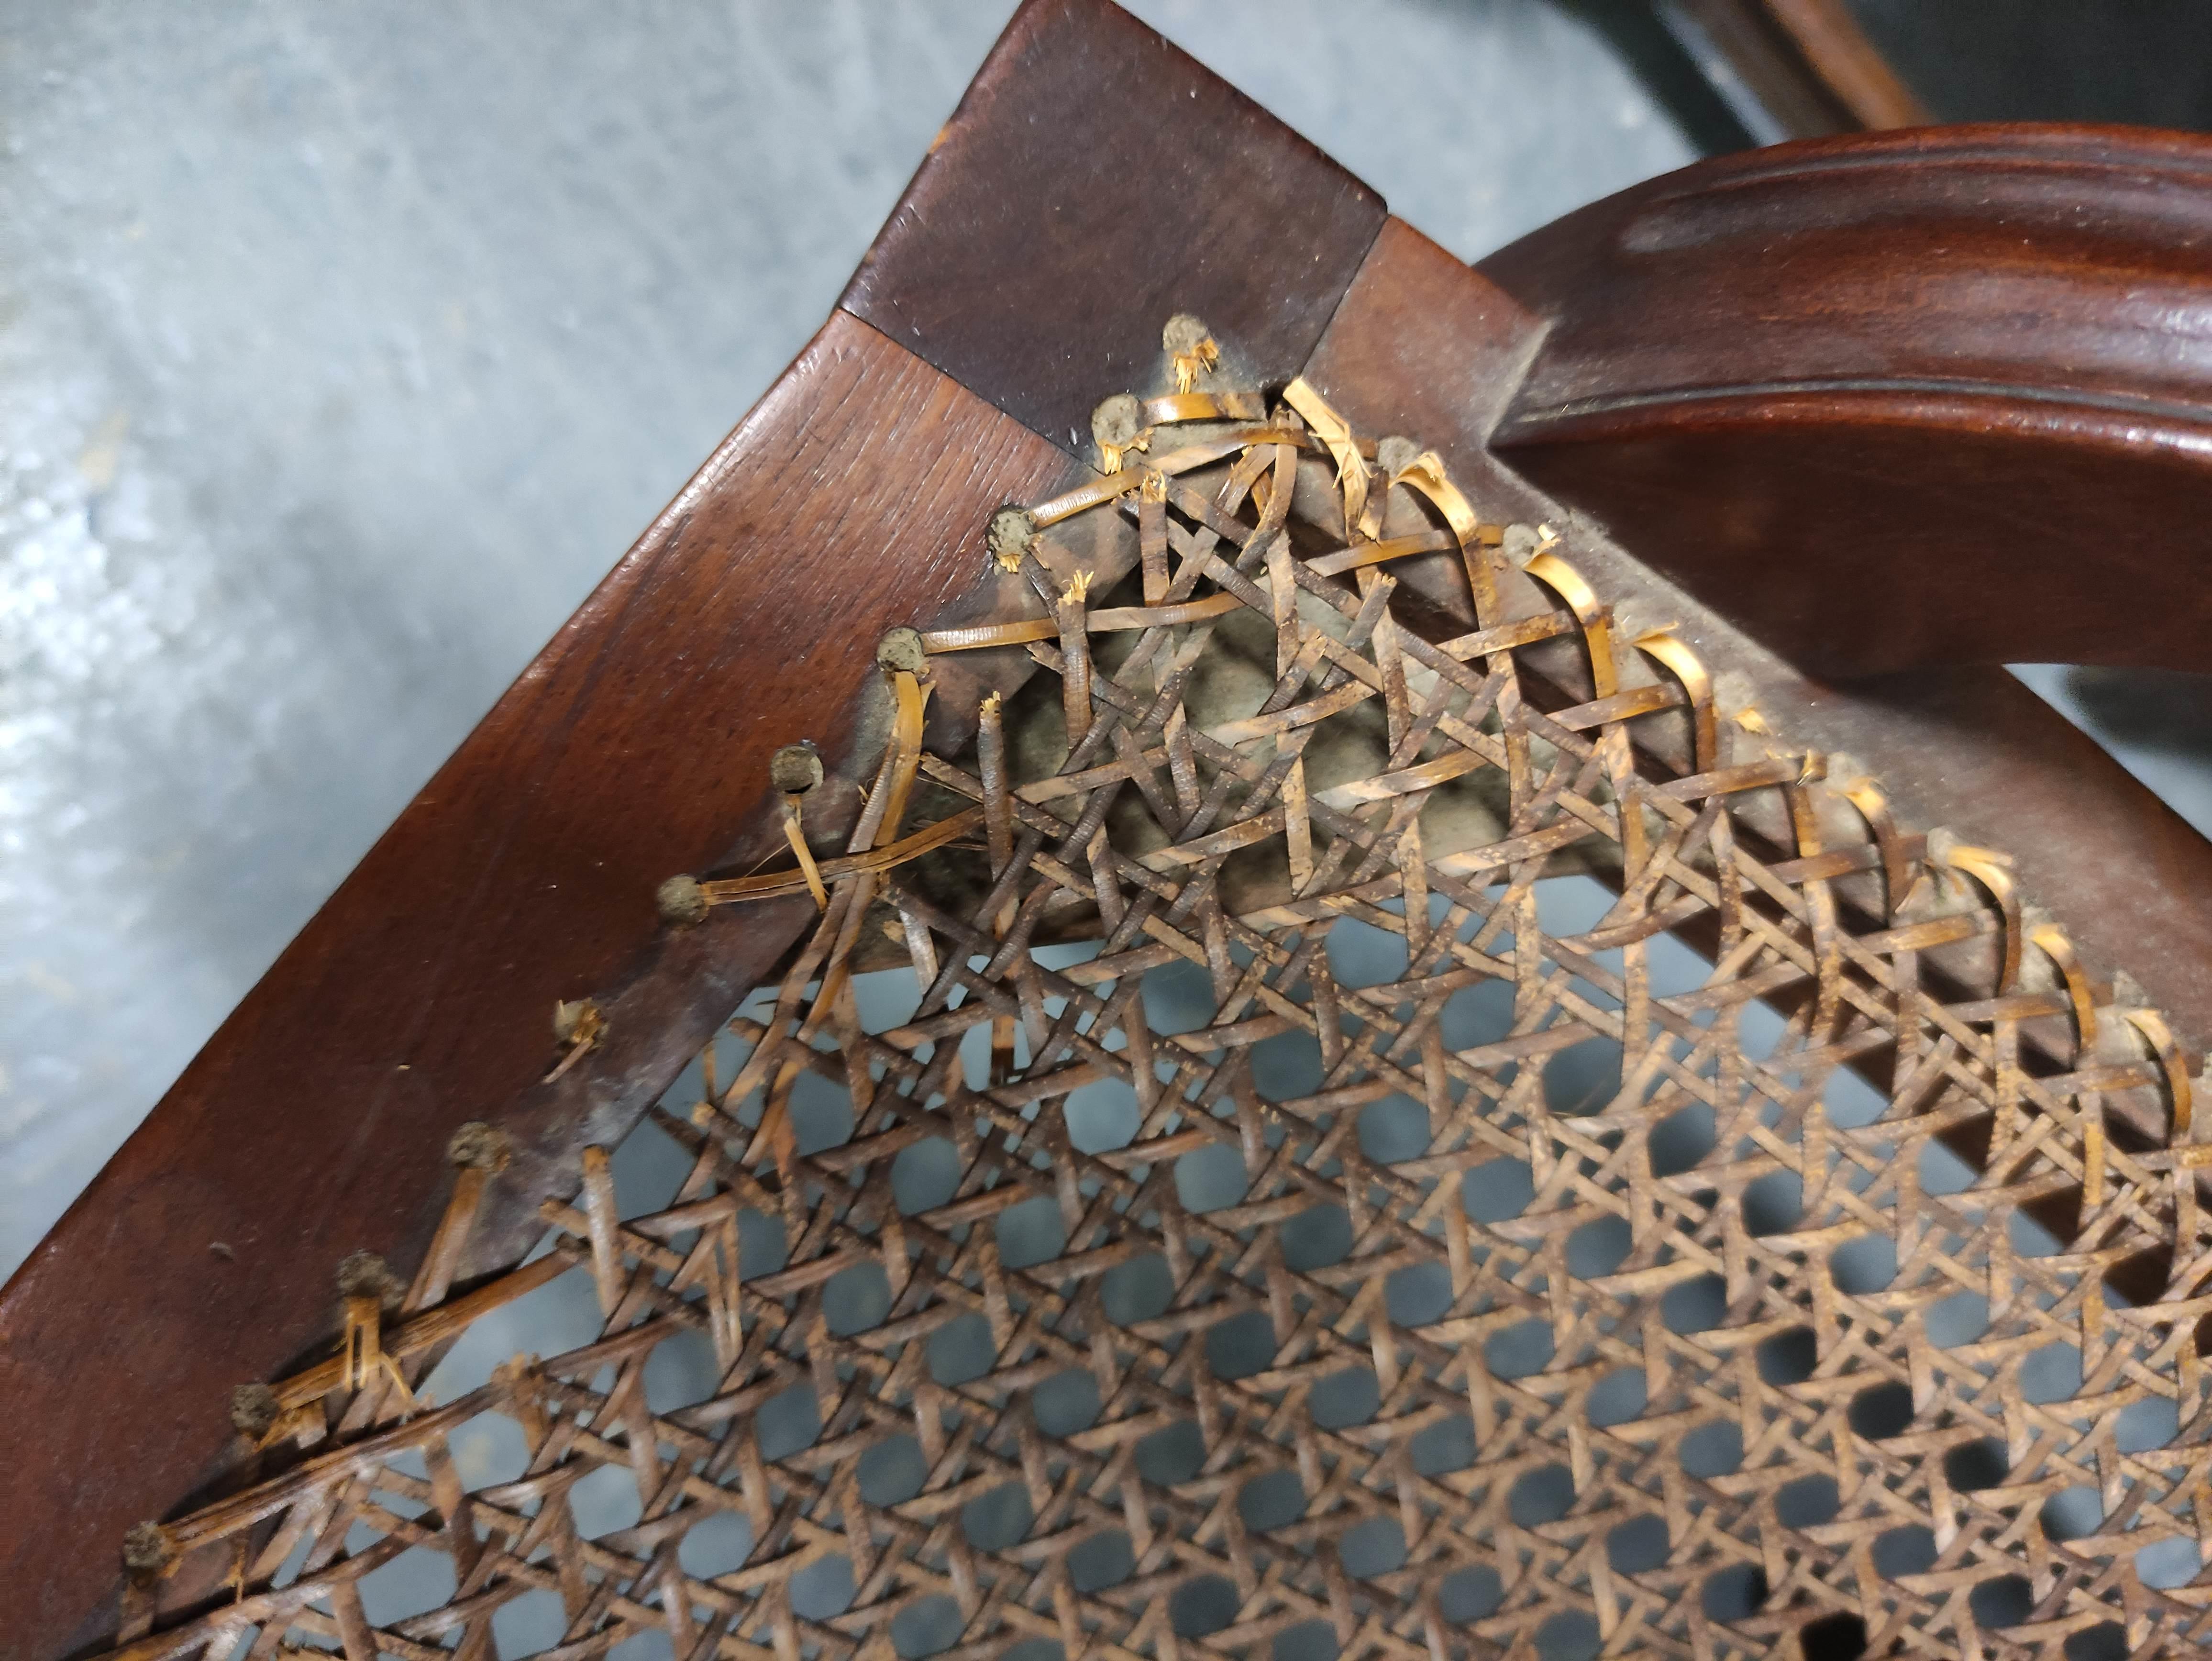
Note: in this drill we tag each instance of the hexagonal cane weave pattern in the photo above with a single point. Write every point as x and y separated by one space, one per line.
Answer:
1269 1223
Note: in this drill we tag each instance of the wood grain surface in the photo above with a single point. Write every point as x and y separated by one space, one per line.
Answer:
1900 400
314 1122
1806 61
1094 182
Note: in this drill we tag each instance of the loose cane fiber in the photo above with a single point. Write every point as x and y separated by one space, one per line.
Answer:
1637 1403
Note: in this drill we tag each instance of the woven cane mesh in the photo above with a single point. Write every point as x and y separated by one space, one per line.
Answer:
1359 1240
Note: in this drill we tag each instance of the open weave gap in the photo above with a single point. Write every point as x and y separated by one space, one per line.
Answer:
1366 1244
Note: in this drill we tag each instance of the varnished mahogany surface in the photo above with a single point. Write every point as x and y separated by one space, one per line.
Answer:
1095 181
1896 399
314 1122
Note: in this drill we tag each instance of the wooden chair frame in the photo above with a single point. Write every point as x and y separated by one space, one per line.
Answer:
1917 404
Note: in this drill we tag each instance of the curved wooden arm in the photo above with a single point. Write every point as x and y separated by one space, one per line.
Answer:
1897 399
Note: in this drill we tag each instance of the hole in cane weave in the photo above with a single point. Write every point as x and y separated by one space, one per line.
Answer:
1136 1290
1942 1171
996 1520
652 1644
884 999
1638 1546
606 1499
1697 1304
892 1471
1418 1295
1520 1349
1204 1605
1309 1640
1349 1397
1882 1411
2107 1641
1360 954
2030 1238
1839 1637
1958 1320
1477 1014
2168 1563
1851 1101
1908 1550
292 1564
2072 1513
1106 1559
786 1422
923 1627
1172 1455
1469 1594
763 1248
1866 1264
536 1621
492 1448
680 1372
1374 1546
1179 997
962 1348
1033 1232
924 1175
650 1166
1773 1203
1286 1066
2004 1602
2141 1277
1101 1115
1713 1450
1210 1178
1446 1445
1980 1464
1680 1141
1497 1190
717 1543
1616 1398
413 1582
1315 1237
1542 1495
1065 1402
1807 1502
1241 1345
1394 1129
1735 1593
1272 1501
856 1298
1788 1357
1569 1635
1599 1247
558 1317
1034 1649
2052 1373
1583 1078
2151 1423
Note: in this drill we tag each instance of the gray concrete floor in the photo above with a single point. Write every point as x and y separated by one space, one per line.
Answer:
342 346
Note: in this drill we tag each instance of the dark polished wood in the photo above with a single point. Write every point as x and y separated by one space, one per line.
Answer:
636 747
1806 63
1898 399
1424 345
1094 182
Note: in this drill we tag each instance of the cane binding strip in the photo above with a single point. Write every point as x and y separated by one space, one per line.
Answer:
1378 1346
